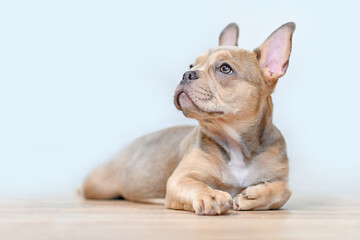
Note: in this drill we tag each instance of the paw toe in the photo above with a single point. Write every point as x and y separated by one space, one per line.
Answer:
214 204
251 193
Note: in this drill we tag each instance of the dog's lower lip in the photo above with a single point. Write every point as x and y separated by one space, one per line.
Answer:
178 97
178 105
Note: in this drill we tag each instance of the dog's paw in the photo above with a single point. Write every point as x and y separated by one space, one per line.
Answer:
252 198
215 203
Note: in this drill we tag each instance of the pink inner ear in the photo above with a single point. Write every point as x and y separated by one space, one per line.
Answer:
275 52
229 37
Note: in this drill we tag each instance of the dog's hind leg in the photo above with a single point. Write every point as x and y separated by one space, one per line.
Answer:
140 171
102 183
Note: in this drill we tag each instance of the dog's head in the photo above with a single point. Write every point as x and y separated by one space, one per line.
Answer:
229 81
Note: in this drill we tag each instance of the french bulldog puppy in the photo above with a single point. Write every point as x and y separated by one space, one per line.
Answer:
235 158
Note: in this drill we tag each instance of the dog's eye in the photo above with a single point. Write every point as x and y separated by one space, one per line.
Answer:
191 66
225 68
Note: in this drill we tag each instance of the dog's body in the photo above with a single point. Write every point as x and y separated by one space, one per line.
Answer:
235 158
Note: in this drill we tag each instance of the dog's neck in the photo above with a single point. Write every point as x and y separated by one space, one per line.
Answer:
234 135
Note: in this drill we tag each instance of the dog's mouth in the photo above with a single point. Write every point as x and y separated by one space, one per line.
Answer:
181 94
177 100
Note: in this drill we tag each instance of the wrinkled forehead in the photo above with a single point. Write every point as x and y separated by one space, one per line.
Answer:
224 53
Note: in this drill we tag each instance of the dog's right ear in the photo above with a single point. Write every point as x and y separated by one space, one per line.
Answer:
229 36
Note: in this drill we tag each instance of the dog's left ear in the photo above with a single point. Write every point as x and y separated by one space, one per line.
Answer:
273 55
229 36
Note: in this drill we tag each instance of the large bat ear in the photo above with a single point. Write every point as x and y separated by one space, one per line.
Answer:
229 36
273 55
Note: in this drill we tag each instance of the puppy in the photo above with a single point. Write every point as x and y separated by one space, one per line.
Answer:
235 158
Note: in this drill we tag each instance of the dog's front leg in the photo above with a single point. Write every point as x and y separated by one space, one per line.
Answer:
187 188
268 195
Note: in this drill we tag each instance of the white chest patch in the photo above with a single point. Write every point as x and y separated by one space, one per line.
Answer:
239 172
236 164
237 167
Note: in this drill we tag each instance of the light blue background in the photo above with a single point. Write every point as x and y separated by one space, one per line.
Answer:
80 79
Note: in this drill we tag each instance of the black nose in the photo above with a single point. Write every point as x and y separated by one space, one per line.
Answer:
189 76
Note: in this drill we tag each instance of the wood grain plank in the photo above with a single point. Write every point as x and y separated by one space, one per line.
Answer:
304 217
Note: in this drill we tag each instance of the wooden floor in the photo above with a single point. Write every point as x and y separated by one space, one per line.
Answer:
74 218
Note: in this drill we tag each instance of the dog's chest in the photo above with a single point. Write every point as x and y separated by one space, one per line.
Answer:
238 167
